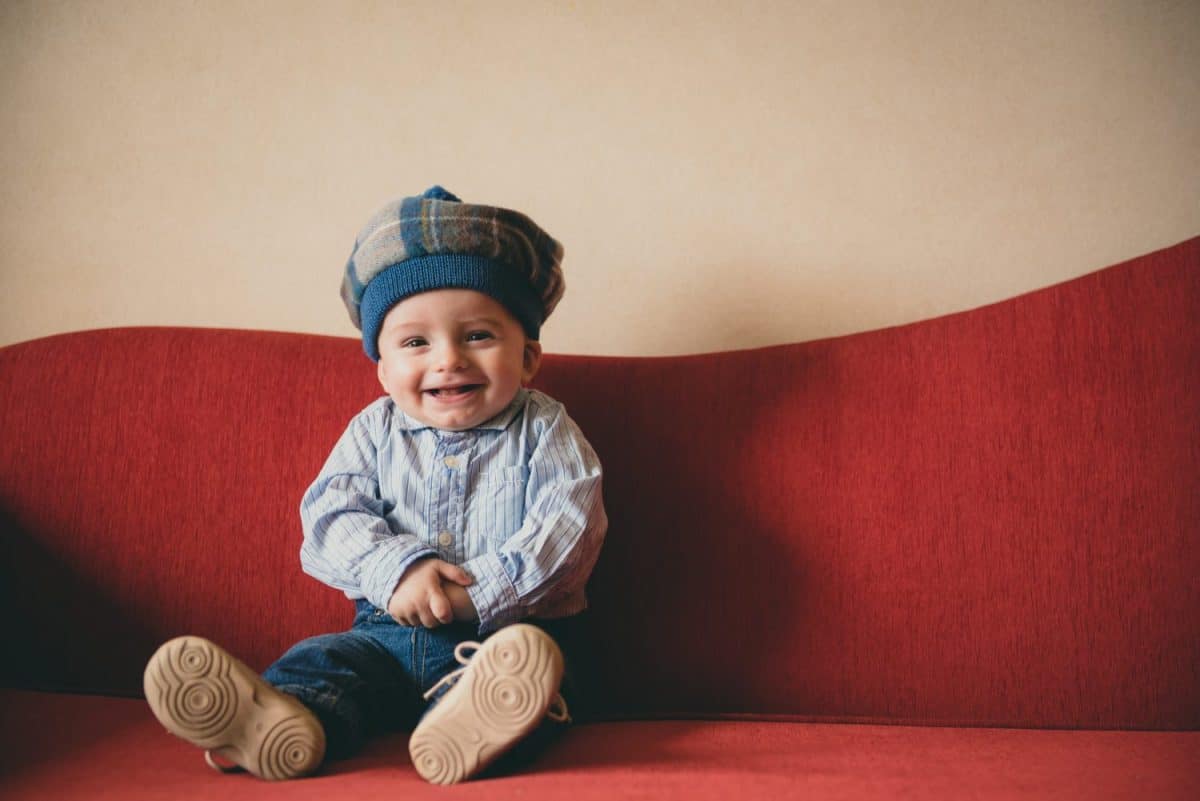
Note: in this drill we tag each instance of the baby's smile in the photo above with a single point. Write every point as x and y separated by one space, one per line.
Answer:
455 391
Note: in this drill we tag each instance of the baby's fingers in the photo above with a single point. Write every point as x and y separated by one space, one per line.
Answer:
427 618
455 573
439 606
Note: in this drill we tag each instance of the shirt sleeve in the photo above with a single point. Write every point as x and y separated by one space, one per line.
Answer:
348 543
552 554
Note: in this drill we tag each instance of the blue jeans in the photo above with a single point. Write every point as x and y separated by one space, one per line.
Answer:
371 679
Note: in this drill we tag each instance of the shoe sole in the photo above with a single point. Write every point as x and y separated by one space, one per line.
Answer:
502 696
202 694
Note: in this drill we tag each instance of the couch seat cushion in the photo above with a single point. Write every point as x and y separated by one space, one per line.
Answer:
90 747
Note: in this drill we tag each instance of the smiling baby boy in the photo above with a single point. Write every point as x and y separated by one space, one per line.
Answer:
461 513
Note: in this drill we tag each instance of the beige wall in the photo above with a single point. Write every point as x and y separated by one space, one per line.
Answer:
723 174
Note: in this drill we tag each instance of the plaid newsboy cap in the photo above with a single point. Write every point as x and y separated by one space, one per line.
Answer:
435 241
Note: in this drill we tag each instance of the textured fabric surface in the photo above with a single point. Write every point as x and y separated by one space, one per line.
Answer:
102 748
989 518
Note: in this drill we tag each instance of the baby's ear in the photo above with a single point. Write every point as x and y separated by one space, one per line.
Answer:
531 360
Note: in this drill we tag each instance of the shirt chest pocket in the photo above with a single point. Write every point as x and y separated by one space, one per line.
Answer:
496 505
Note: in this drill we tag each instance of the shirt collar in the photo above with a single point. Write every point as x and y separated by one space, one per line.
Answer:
500 422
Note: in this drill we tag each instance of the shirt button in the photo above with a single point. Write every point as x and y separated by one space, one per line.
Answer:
451 462
445 539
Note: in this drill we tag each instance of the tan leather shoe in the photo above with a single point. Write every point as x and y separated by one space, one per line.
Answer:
202 694
504 691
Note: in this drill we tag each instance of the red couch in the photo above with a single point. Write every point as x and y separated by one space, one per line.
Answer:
954 559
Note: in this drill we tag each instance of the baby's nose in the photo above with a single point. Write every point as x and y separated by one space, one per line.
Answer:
450 357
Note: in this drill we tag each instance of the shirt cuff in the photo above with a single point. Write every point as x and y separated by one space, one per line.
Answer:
383 568
492 592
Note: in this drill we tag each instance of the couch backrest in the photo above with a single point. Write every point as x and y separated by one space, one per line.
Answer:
990 518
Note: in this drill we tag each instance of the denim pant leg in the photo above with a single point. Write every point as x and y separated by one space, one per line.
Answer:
352 681
368 680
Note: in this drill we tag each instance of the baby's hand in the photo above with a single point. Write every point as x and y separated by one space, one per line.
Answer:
460 602
419 600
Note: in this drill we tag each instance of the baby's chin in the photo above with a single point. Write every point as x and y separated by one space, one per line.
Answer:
456 420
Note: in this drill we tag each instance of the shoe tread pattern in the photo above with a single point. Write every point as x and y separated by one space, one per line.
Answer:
205 696
502 696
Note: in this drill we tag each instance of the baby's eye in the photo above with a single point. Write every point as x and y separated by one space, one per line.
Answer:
414 342
479 336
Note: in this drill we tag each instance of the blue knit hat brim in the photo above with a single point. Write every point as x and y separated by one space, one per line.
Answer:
447 271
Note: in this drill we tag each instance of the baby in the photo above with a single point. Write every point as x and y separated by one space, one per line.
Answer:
461 513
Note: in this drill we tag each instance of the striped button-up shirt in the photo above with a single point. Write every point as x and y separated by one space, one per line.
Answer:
515 501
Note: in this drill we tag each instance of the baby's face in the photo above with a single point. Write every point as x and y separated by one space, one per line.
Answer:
454 358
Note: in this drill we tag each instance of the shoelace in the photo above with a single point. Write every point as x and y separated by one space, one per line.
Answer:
557 712
219 768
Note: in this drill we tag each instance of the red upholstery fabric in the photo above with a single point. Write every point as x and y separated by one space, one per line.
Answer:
103 748
985 519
